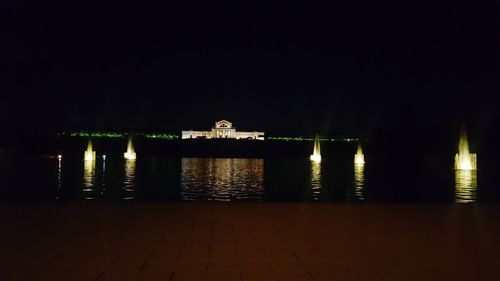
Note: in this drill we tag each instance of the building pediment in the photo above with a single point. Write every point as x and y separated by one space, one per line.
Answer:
223 124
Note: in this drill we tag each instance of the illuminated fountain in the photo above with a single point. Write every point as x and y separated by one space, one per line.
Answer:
464 160
130 154
316 156
89 153
359 176
359 158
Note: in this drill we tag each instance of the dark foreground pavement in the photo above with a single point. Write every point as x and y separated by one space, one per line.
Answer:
249 241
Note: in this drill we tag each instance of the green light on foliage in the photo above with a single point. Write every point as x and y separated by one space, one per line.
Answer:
300 138
97 134
161 136
84 134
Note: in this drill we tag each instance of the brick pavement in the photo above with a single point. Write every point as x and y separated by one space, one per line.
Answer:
249 241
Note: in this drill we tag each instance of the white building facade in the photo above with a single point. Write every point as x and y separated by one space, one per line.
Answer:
222 130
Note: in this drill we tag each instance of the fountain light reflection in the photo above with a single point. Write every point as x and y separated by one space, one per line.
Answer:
359 181
316 180
129 186
89 177
465 186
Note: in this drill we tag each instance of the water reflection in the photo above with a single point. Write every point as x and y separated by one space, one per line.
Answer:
316 180
89 179
129 180
114 179
103 179
222 179
465 186
59 176
359 181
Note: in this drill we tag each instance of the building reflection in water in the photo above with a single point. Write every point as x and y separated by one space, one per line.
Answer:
315 179
89 178
129 186
222 179
359 182
465 186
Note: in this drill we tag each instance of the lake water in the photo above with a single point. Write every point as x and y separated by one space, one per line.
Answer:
113 179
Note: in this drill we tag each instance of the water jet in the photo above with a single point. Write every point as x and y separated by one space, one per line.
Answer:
130 154
359 158
89 153
464 160
316 156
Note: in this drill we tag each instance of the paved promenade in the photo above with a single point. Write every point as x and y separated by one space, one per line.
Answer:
249 241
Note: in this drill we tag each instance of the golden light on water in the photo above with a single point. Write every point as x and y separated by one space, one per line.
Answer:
129 180
130 154
316 156
222 179
316 179
464 160
359 158
316 169
89 153
89 177
465 186
359 181
59 175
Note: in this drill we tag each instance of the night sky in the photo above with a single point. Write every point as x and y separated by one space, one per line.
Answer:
348 68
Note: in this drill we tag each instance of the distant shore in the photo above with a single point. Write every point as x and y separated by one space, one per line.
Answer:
183 147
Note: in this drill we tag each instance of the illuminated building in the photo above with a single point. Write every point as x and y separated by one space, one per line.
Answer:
223 130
